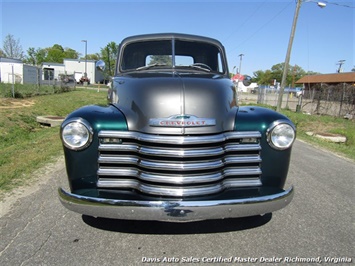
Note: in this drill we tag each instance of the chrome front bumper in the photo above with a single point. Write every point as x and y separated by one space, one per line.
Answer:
174 211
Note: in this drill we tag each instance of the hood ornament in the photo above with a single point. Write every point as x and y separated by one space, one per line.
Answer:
182 121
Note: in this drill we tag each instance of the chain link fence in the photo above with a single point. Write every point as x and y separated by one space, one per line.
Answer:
64 83
323 99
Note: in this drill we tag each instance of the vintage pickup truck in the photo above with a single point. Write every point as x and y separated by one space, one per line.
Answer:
173 144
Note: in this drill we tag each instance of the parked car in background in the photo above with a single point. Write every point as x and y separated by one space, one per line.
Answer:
173 144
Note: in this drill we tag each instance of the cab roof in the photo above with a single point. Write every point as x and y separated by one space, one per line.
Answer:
167 36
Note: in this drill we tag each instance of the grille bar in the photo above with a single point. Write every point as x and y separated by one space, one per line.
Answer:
182 166
177 179
177 191
179 139
178 152
178 165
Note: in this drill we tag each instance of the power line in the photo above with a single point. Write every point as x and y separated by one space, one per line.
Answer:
245 21
338 4
276 15
263 26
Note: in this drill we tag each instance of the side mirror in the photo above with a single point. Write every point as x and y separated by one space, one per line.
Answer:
246 80
100 65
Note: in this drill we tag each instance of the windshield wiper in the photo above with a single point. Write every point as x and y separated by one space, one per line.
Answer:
201 66
149 66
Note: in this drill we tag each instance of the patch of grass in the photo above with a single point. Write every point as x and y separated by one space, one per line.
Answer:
322 124
325 124
24 144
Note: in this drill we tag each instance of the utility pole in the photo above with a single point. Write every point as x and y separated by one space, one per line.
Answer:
288 55
289 48
240 63
340 63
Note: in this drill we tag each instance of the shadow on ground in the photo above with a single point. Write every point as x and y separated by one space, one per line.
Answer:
166 228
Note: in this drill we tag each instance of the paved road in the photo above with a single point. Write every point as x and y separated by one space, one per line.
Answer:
318 224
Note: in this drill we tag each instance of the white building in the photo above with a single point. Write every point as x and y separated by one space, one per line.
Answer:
14 70
74 67
78 68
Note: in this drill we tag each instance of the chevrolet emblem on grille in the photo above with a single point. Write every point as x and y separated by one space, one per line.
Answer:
182 121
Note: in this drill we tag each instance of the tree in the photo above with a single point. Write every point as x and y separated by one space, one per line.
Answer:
55 54
109 56
91 57
262 77
160 59
31 56
277 71
12 47
267 77
35 56
70 53
312 73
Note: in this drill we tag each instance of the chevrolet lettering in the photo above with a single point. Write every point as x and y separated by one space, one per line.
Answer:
182 121
173 144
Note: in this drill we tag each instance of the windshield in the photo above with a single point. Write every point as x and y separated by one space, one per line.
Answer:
181 54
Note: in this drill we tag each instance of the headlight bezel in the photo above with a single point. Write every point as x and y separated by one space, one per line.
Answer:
78 122
278 125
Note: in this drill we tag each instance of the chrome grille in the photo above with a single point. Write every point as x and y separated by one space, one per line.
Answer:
178 166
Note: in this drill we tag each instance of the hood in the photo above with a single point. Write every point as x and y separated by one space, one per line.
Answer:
170 103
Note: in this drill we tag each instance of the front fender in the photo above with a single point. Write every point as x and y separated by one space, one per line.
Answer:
82 165
275 163
108 118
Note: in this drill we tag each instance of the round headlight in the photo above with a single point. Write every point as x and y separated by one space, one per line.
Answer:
76 134
281 135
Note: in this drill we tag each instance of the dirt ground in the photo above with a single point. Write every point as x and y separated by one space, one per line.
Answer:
10 103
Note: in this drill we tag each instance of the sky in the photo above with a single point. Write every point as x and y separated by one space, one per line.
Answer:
260 30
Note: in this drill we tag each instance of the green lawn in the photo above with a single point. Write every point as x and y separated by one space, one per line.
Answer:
25 145
325 124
